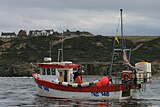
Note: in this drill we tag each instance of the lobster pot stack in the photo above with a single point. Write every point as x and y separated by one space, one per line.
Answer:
144 71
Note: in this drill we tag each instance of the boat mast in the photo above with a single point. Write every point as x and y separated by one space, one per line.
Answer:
62 48
50 50
60 51
122 38
120 50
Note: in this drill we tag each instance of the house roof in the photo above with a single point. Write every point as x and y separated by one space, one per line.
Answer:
8 34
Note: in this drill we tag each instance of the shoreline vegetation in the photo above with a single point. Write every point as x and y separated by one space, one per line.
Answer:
93 52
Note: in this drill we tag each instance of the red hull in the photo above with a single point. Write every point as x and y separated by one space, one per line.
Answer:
94 88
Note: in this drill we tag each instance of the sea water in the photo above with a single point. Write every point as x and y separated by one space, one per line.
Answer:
21 92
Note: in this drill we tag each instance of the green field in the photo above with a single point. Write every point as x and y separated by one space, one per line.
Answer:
140 38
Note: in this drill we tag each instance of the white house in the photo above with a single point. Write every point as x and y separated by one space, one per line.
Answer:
41 32
8 35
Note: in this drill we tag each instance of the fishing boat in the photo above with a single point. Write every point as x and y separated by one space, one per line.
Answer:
63 79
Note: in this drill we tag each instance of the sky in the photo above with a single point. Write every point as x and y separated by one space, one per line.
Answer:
100 17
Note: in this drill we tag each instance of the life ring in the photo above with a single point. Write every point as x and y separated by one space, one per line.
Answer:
126 74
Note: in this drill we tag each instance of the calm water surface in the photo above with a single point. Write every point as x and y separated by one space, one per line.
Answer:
21 92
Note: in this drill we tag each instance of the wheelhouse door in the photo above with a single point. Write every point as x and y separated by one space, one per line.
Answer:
61 75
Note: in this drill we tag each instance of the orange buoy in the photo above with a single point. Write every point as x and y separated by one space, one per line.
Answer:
104 80
99 84
78 80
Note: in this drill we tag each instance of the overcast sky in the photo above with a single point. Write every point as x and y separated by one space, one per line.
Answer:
140 17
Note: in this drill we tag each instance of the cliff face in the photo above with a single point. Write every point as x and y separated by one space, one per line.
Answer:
17 54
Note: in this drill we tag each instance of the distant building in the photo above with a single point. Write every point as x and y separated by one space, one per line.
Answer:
41 32
80 33
8 35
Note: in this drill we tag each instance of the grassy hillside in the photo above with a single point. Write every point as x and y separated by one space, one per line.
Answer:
148 50
17 54
136 39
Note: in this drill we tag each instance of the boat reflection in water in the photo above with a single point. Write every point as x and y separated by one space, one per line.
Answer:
48 102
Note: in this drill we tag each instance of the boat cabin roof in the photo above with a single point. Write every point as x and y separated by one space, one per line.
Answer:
57 65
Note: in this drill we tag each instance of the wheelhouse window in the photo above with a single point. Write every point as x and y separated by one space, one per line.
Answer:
43 71
53 70
48 71
75 69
